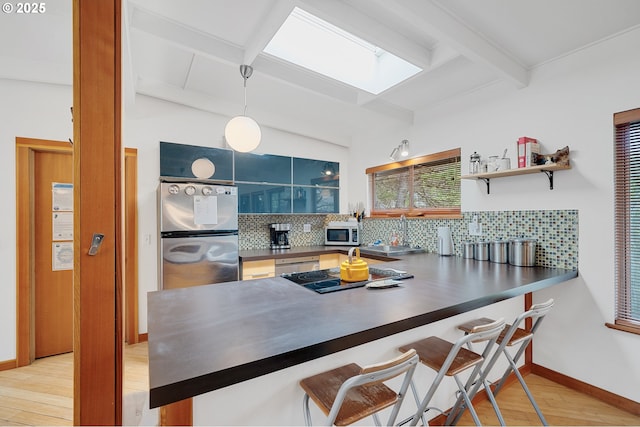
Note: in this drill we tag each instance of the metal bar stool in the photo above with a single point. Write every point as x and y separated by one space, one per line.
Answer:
511 336
350 393
451 359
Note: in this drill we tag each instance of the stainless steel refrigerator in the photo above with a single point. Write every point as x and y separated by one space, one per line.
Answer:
198 224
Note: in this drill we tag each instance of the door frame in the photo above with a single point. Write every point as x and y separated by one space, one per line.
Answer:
26 148
25 280
131 334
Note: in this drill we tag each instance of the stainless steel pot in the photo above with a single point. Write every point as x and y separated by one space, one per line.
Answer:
499 251
522 252
481 251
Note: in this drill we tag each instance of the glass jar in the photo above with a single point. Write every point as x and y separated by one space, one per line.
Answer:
492 164
474 163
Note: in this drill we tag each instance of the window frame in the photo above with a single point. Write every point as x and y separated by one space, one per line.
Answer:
454 153
623 251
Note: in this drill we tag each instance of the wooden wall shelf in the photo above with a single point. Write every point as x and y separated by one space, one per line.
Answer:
547 169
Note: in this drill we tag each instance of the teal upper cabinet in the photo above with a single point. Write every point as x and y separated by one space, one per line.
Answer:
263 168
278 184
316 172
267 183
316 186
264 198
176 161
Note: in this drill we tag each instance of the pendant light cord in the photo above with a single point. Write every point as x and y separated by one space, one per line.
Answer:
245 96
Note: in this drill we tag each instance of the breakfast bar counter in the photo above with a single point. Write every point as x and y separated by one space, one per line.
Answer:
208 337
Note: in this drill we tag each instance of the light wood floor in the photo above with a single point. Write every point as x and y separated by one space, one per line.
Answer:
42 394
561 406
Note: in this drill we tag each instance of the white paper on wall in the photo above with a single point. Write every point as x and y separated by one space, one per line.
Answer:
62 196
62 256
62 225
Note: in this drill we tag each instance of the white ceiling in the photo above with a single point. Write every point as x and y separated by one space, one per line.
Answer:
189 52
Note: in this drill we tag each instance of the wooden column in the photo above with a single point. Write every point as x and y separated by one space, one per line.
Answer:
97 204
177 414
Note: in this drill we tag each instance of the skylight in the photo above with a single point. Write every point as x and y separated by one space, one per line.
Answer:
317 45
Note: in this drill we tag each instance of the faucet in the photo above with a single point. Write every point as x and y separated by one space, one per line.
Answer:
405 230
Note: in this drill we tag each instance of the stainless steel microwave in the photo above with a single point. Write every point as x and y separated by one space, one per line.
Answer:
346 233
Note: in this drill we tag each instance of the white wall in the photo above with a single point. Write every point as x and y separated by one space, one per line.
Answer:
34 111
571 102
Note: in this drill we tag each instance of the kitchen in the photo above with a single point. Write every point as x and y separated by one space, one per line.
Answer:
493 118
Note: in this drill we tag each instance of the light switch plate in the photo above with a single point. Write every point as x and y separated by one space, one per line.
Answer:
475 229
306 228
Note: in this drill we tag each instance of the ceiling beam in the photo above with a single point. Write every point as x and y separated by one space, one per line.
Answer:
438 22
184 37
267 29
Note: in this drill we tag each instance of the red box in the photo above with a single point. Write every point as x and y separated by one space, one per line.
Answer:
522 152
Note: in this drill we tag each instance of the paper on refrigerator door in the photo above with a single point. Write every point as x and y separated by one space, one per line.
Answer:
205 210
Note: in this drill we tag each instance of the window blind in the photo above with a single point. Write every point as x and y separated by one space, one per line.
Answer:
422 186
627 217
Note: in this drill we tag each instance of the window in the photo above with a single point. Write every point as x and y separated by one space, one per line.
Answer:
422 186
627 219
315 44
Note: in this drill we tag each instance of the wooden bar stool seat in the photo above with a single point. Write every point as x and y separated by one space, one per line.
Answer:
516 337
350 393
451 359
433 352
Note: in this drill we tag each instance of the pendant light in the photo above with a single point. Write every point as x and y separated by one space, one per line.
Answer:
242 132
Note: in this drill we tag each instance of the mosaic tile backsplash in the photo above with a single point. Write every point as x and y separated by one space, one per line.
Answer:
556 231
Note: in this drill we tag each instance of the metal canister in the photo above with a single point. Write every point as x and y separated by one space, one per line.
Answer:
499 251
468 249
481 251
522 252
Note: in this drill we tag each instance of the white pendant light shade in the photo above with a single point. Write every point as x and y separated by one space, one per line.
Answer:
242 134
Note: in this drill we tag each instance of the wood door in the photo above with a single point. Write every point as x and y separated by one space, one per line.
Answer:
53 282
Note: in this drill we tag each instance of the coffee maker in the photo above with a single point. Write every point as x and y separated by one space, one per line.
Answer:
280 236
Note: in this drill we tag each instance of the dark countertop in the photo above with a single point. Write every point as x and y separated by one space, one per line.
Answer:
207 337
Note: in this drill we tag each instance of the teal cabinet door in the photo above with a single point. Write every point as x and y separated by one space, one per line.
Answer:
315 172
176 161
250 167
264 198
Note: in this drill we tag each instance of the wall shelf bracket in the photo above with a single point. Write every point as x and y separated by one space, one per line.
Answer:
550 176
486 181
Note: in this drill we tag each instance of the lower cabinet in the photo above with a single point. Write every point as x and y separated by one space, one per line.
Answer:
329 261
267 267
335 260
258 269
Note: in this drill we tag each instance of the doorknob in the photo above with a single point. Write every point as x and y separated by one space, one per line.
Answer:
96 241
